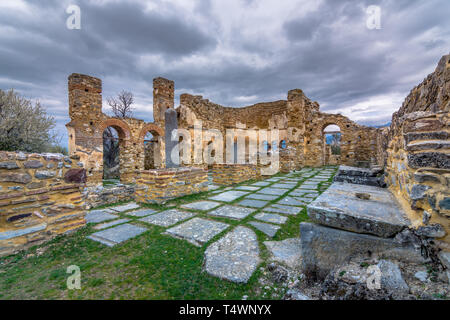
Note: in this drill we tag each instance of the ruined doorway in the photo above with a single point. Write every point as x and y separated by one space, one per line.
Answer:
152 151
111 155
332 144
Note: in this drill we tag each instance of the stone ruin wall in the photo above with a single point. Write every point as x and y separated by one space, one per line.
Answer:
40 198
417 153
300 124
86 134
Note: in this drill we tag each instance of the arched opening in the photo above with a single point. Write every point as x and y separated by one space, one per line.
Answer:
111 154
152 150
332 144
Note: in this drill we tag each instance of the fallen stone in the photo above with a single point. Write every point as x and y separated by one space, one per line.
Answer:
339 207
234 257
421 275
324 248
287 252
391 277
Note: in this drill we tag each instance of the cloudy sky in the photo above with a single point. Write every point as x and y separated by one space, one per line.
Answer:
233 52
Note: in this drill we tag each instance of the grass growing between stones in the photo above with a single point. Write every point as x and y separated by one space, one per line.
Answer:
150 266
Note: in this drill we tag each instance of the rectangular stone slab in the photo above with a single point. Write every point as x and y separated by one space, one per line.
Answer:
261 184
268 229
277 208
113 236
339 207
125 207
232 212
252 203
141 213
247 188
291 201
110 224
259 196
97 216
167 218
197 231
201 205
273 191
271 217
228 196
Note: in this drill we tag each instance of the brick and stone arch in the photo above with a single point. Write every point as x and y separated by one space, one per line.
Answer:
152 155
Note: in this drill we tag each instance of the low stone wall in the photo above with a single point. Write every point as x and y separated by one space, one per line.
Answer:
100 195
229 174
160 185
39 198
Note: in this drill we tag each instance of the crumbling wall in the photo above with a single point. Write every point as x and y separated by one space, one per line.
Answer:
40 198
161 185
230 174
88 123
418 150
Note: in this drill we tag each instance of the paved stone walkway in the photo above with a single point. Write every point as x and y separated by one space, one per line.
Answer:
262 207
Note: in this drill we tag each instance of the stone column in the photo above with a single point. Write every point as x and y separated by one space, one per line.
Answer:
171 126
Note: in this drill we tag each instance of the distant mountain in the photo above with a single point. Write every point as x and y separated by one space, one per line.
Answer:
383 125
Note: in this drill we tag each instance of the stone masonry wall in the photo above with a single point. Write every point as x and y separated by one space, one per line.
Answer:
230 174
161 185
99 195
39 198
418 150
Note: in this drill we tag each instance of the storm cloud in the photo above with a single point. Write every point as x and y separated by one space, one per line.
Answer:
234 52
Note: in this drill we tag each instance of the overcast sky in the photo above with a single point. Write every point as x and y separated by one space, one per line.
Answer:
233 52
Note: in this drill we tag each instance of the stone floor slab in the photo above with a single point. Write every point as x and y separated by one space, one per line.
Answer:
291 201
232 212
260 184
125 207
229 196
282 186
197 231
271 217
167 218
259 196
110 224
234 257
201 205
118 234
273 191
212 187
96 216
268 229
141 213
289 210
252 203
247 188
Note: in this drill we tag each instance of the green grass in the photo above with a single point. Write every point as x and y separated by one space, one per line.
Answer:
150 266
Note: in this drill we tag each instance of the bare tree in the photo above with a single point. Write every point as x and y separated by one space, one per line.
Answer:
121 106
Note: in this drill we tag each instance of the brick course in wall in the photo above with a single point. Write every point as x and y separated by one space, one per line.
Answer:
229 174
39 198
161 185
